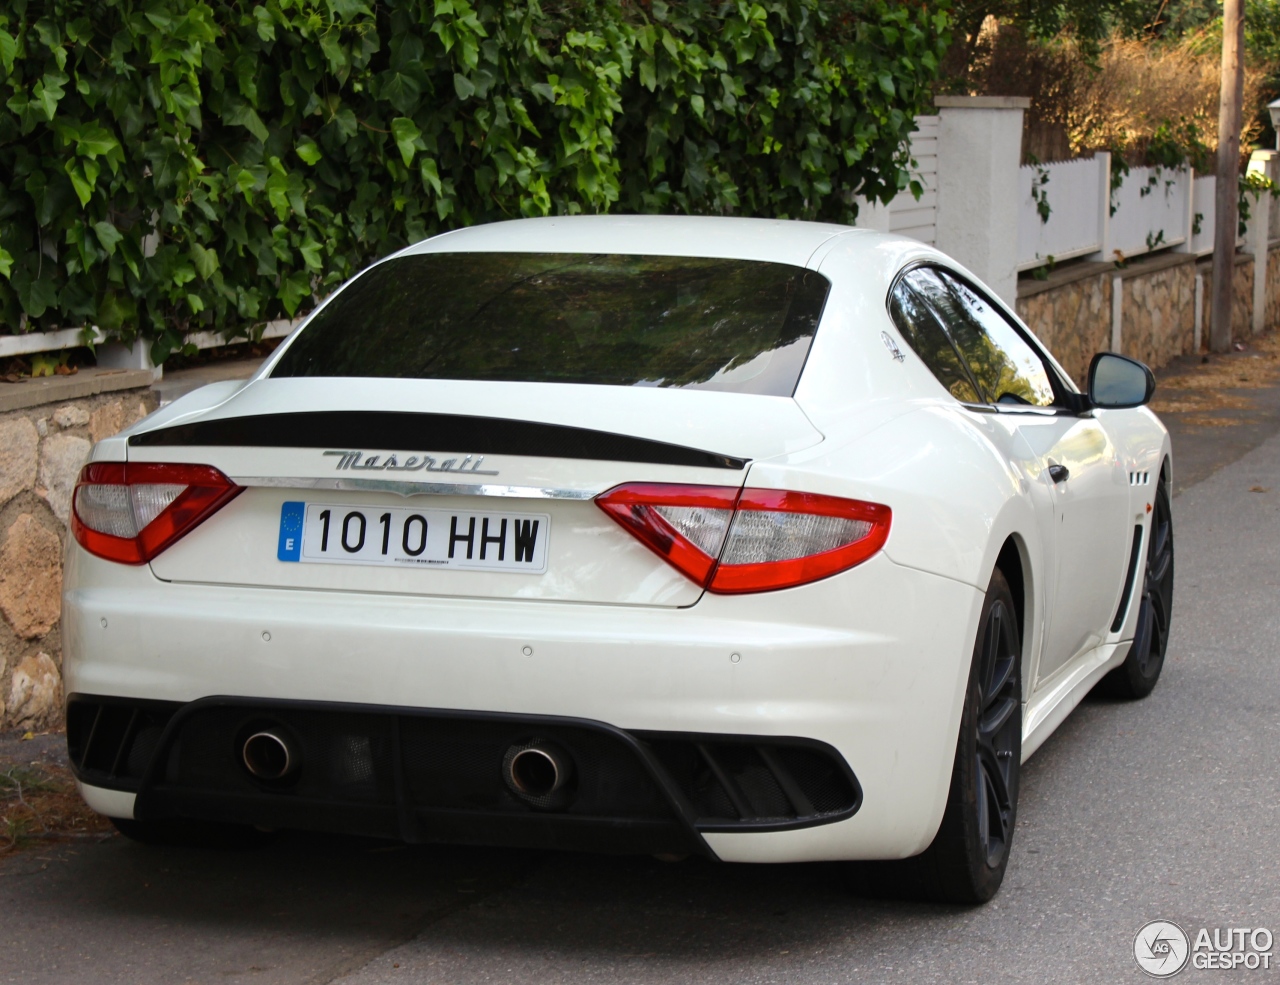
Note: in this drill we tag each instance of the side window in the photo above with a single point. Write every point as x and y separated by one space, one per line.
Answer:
923 333
1006 367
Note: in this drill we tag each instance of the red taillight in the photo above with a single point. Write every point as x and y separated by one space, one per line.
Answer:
131 511
751 540
779 539
685 525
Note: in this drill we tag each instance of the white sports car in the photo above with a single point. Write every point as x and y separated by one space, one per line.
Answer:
771 541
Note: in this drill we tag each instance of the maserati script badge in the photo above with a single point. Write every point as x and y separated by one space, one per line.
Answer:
360 461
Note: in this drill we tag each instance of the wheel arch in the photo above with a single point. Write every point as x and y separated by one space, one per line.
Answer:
1014 561
1011 563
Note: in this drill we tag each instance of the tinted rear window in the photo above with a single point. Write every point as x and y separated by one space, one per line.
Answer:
711 324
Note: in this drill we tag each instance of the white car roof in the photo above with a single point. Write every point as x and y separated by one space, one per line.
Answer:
772 240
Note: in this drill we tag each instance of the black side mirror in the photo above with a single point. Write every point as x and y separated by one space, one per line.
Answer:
1116 382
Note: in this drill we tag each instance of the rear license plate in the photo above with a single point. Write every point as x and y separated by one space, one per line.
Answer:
326 533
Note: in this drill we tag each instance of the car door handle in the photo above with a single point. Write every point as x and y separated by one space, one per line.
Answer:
1058 473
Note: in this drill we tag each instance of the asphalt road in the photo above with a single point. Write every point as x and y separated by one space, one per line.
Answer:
1165 808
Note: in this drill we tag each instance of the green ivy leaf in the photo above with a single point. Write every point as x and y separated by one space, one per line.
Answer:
266 27
294 289
48 91
83 175
347 10
463 86
6 263
312 254
401 91
246 116
331 45
309 151
206 261
108 235
115 311
94 141
430 176
36 296
405 133
8 50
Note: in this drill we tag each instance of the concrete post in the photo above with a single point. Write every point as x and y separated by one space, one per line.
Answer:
1117 313
979 153
1198 338
1103 161
1258 233
1188 232
117 355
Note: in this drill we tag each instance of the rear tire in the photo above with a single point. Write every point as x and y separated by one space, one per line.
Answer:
1137 676
967 860
187 833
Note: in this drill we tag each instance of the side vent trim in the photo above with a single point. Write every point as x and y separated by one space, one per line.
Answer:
1128 580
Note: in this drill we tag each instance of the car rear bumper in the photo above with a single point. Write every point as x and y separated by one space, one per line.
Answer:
427 775
872 663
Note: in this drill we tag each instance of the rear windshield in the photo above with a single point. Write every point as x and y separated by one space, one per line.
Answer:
709 324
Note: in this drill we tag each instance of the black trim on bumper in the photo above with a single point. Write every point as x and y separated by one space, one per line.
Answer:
435 775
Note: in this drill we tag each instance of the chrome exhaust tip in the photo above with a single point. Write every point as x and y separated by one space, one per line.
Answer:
537 771
268 755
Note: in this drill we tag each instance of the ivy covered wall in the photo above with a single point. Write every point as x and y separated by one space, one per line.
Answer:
169 165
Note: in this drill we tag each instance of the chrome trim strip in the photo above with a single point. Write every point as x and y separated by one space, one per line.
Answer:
407 489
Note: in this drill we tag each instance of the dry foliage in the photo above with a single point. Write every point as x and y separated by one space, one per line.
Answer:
1118 102
1138 85
1220 384
39 803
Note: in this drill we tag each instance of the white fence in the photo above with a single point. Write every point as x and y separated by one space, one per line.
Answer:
1070 193
1068 209
71 338
909 216
1152 209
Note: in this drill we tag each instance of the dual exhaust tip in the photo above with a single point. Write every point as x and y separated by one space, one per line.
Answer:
538 772
270 755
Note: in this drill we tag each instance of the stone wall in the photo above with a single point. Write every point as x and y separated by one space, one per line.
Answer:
1242 294
1273 281
1158 314
1073 319
42 448
1071 311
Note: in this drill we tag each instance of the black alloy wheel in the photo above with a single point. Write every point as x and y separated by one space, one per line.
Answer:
999 732
1137 676
967 860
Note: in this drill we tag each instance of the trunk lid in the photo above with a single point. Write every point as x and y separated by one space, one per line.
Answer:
469 460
